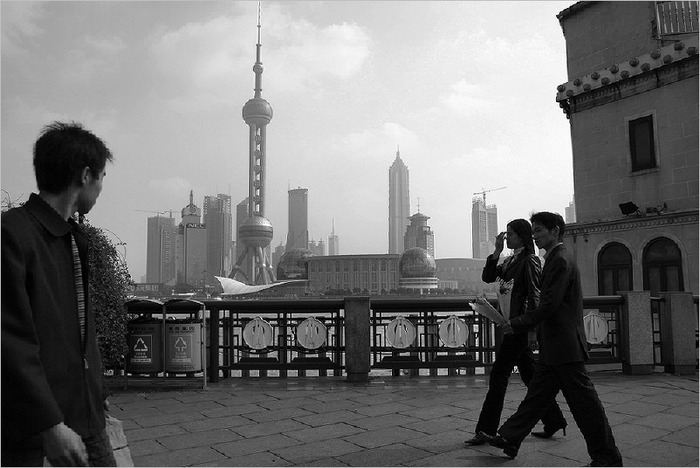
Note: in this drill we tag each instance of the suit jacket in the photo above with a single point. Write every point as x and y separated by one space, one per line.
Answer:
559 316
524 270
48 375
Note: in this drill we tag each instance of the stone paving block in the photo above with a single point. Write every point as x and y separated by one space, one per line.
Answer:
385 408
391 455
463 458
179 457
614 419
637 408
571 447
292 393
328 418
329 407
630 433
614 398
445 442
231 410
256 444
277 415
386 420
340 395
254 459
203 395
385 436
671 422
687 436
145 447
684 410
432 412
331 431
437 425
198 439
376 399
153 432
670 399
327 462
661 453
274 405
214 423
268 428
168 418
127 424
305 454
133 412
245 399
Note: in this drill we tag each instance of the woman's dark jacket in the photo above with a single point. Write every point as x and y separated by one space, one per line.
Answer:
525 270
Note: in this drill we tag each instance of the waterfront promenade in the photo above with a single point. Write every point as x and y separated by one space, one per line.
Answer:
391 421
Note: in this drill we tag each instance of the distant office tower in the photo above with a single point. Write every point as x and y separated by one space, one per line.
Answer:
418 234
298 234
570 213
217 219
276 255
333 242
317 248
399 204
484 228
160 249
191 247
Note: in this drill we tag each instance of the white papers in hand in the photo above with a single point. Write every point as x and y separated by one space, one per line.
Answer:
488 311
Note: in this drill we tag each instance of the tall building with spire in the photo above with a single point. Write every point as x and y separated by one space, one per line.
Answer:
419 234
255 233
484 228
298 218
399 204
333 242
191 260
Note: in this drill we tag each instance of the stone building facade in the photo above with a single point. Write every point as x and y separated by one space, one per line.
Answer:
632 103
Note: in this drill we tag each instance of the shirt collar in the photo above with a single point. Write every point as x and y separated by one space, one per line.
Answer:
516 252
546 254
48 217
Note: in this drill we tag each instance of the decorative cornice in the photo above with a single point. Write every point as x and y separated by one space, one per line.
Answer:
619 72
629 224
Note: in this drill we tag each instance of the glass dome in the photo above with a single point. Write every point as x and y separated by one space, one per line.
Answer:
294 264
417 263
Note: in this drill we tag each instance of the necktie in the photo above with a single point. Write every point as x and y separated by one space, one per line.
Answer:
78 275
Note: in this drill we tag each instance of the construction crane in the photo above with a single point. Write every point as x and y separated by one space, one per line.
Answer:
158 213
483 192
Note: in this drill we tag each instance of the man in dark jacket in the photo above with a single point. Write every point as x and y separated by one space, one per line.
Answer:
563 351
52 386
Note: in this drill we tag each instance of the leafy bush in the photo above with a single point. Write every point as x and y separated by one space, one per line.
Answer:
109 284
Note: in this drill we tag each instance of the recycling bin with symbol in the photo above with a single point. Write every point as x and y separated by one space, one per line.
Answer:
144 336
183 346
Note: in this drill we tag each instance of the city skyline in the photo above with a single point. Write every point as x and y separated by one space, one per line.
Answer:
456 85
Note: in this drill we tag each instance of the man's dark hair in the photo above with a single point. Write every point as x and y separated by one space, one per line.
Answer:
523 229
550 221
62 151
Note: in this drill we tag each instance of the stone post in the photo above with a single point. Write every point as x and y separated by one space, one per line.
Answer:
636 335
678 321
357 339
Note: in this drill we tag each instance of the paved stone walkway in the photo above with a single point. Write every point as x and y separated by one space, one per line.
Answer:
391 421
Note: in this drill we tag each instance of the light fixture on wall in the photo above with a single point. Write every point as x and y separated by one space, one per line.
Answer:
629 208
657 209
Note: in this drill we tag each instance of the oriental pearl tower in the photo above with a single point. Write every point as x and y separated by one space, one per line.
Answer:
256 231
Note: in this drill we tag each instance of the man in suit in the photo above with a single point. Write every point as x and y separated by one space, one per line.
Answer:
53 397
563 351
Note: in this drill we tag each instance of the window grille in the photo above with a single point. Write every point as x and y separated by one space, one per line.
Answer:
677 17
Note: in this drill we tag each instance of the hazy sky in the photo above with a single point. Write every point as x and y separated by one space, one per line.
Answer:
465 89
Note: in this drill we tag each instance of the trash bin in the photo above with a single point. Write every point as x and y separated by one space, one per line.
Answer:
145 346
183 346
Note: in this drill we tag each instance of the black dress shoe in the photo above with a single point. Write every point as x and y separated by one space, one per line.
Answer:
548 433
476 440
497 441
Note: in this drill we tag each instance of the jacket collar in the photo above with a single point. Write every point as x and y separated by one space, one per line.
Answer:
48 217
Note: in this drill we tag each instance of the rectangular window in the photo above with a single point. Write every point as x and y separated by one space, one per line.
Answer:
641 133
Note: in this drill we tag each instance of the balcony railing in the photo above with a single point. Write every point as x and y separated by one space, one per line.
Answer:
676 18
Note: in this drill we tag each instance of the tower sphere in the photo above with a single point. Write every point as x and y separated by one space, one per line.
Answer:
256 231
258 112
417 263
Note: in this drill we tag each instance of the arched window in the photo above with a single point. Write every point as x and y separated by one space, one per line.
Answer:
662 266
614 269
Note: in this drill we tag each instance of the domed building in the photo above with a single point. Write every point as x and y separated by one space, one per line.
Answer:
417 270
294 264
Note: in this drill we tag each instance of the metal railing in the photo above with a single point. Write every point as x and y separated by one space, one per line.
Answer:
676 17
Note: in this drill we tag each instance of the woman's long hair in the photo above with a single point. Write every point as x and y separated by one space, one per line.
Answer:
522 228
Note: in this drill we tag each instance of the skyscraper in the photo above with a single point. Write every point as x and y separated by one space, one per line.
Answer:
333 242
191 260
484 228
570 213
419 234
298 216
160 249
399 204
256 231
217 219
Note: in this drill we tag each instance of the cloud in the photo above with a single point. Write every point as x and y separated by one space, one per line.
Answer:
371 144
19 22
170 189
468 99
